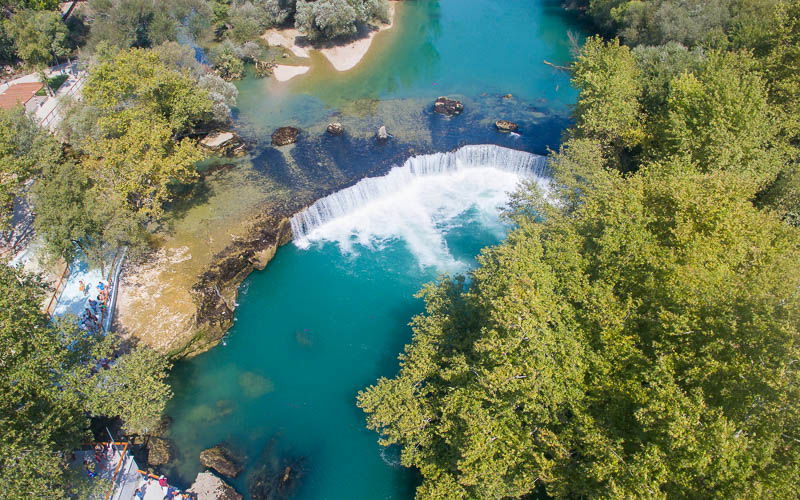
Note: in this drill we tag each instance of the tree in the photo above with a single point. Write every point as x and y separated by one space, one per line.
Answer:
24 149
327 19
64 218
134 172
640 343
721 118
40 37
146 23
608 107
137 81
43 371
227 62
135 388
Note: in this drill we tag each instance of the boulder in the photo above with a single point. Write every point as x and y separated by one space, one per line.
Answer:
508 96
160 451
221 460
285 135
383 134
335 128
225 143
207 486
447 106
506 126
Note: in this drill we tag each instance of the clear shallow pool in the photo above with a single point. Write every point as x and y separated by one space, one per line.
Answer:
326 320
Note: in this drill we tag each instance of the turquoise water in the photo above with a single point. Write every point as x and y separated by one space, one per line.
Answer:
474 49
323 322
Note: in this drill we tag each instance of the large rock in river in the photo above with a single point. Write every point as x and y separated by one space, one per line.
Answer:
506 126
447 106
285 135
160 451
221 460
207 486
335 128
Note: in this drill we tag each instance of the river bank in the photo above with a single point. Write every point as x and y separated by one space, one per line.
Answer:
342 56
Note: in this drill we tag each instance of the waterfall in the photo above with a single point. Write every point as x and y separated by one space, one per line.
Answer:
420 200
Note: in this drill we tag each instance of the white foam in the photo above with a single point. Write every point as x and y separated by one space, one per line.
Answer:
419 202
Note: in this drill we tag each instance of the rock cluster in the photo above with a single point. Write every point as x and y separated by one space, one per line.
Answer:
506 126
207 486
221 460
448 107
335 128
224 143
285 135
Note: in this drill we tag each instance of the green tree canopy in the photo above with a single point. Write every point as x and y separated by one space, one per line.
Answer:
24 150
608 107
40 37
138 80
48 385
639 343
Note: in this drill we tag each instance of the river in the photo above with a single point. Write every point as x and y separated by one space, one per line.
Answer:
329 315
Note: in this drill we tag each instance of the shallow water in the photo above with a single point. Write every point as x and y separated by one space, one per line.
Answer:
326 320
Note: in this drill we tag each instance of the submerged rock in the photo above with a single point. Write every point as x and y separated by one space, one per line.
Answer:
508 96
207 486
285 135
221 460
274 476
506 126
383 134
335 128
160 451
447 106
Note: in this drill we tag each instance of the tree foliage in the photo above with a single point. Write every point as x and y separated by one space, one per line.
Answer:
327 19
49 383
24 150
640 343
40 37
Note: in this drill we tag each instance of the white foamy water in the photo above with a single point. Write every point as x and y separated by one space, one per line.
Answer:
420 202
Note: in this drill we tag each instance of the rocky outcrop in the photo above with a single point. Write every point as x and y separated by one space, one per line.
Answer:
506 126
382 134
160 451
223 143
335 128
285 135
221 460
207 486
448 107
214 312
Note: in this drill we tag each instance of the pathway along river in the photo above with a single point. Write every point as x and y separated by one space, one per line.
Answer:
329 315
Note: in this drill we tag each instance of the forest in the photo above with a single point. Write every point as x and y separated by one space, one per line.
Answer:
637 334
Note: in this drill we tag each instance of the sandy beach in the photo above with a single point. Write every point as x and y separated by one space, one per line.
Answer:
285 73
341 57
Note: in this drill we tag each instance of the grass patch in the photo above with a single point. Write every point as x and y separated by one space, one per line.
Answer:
54 83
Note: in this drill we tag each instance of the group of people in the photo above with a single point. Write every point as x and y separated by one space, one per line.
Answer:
92 317
101 454
169 493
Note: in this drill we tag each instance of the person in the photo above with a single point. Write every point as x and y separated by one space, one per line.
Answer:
89 466
101 286
93 305
139 493
162 481
82 287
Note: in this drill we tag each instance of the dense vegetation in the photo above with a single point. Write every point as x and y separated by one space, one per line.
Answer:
637 334
51 381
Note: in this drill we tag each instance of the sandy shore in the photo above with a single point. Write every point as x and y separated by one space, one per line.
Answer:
346 57
285 73
341 57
